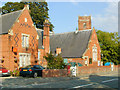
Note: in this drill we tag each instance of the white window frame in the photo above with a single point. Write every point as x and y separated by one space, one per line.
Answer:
24 59
25 42
39 53
94 52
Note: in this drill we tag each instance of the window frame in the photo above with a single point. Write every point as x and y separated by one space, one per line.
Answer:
25 42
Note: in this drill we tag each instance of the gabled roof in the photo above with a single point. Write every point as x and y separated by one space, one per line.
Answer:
72 44
8 20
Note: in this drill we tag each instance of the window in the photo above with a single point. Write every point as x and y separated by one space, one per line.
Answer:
90 60
36 67
38 55
98 63
94 50
25 19
84 25
25 40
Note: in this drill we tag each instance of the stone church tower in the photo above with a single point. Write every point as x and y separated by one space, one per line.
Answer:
84 22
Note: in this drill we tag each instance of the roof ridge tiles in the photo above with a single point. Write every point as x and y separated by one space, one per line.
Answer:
11 13
71 32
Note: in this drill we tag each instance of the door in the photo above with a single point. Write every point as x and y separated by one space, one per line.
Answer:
21 61
24 59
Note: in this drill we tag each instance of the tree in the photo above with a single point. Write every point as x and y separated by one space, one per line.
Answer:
109 46
38 11
54 62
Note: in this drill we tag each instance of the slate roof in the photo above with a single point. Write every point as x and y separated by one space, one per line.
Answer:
8 20
72 44
40 41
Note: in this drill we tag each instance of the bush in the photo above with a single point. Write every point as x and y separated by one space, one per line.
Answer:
54 62
15 73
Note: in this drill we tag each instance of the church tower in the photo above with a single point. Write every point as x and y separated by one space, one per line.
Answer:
84 22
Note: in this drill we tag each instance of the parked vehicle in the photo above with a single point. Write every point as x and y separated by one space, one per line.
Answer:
4 71
31 70
108 63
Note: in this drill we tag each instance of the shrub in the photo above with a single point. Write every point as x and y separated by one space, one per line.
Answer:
15 73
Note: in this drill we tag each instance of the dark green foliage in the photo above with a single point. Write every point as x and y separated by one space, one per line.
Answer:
54 62
109 46
38 11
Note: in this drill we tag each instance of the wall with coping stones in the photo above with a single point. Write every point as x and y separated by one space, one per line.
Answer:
84 70
54 73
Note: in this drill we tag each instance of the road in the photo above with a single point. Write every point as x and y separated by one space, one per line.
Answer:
66 83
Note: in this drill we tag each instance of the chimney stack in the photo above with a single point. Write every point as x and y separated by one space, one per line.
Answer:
58 51
46 36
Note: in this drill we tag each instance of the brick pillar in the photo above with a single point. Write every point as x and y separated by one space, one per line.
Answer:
46 36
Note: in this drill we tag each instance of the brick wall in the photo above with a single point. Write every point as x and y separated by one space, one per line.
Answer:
84 70
54 73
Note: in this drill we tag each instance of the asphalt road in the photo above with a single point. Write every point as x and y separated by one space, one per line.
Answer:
93 81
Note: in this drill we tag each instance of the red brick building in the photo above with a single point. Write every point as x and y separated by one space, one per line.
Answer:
80 46
19 40
22 44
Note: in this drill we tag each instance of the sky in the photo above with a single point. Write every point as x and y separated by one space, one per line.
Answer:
64 15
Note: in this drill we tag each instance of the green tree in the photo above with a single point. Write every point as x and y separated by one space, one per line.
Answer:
54 62
38 11
59 63
109 46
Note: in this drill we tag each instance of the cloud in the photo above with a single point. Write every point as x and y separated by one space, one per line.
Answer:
109 21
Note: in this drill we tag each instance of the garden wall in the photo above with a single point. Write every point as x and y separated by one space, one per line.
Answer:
84 70
54 73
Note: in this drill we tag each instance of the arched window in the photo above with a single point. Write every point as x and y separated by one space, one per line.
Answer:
84 25
94 50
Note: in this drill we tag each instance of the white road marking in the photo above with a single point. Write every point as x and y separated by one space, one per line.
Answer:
82 85
109 80
92 84
40 84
